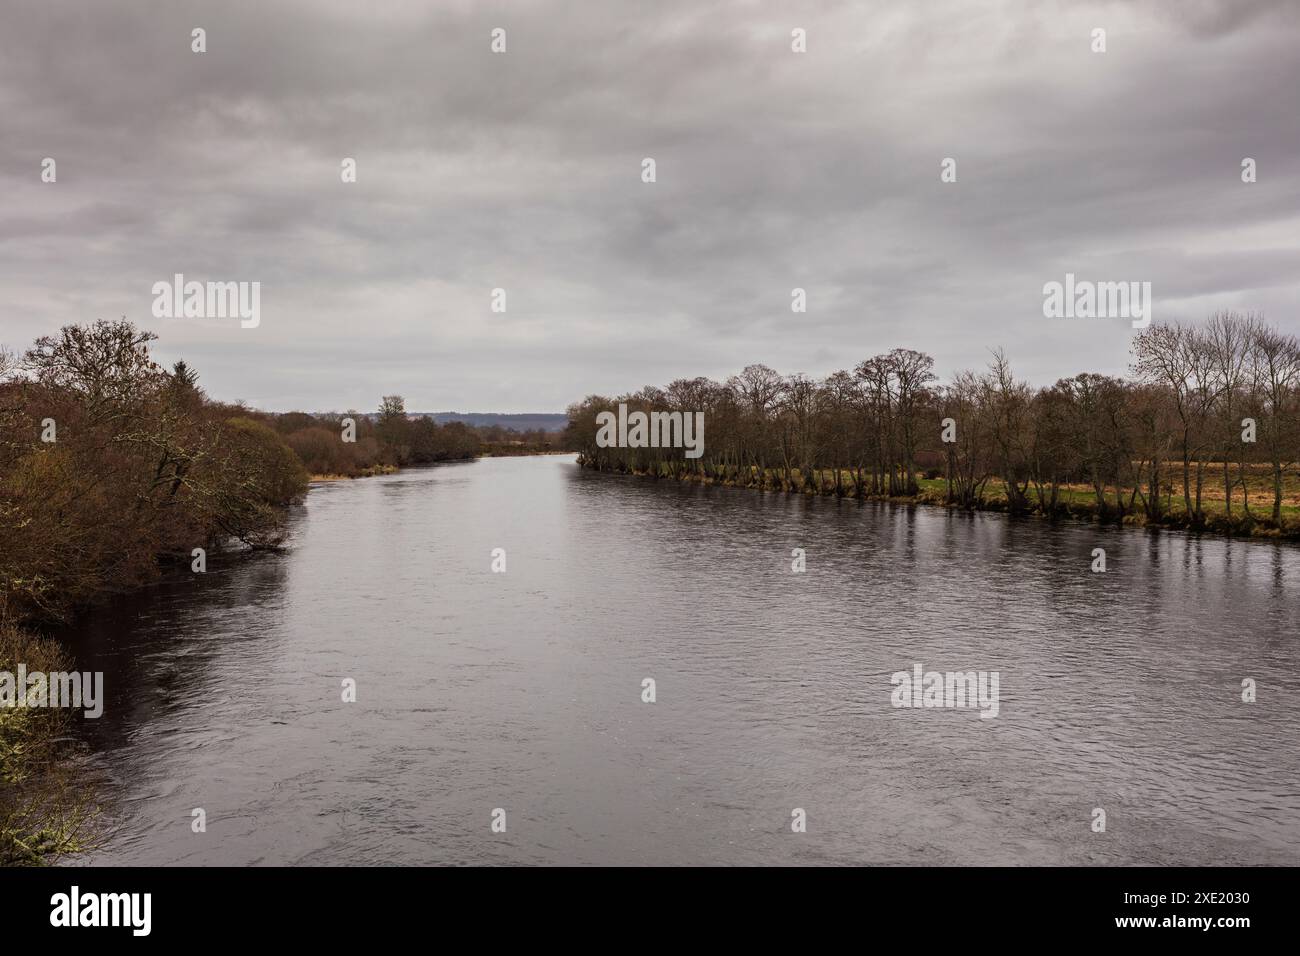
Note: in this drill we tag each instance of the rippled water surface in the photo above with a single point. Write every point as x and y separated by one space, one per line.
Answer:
523 690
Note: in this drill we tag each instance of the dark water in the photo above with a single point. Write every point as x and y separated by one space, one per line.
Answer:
523 690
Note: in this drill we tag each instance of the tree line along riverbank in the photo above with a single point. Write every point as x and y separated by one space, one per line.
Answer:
1204 436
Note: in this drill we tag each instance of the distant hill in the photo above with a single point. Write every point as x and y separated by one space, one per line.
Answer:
521 422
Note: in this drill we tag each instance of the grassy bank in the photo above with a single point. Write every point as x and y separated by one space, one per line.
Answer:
45 808
370 472
1079 502
490 451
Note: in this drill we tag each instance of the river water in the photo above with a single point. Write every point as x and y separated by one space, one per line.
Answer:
523 690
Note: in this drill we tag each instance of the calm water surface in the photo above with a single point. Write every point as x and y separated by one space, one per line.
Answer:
523 690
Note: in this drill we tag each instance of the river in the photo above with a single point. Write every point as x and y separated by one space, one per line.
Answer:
523 690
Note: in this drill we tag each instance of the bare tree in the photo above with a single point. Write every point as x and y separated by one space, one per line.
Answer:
1275 373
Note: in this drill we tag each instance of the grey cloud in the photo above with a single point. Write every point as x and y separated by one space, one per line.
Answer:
522 171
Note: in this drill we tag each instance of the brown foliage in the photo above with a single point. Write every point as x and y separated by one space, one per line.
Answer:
110 465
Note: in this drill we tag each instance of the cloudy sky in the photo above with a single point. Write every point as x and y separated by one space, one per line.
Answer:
522 171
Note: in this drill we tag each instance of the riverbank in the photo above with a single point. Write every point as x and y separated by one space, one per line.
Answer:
1072 502
370 472
529 453
46 811
486 452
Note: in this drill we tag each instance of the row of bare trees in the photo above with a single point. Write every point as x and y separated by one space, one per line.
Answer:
1218 402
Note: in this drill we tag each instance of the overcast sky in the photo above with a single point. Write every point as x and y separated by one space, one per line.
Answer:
522 171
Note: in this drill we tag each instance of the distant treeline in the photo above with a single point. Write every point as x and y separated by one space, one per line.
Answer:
392 438
380 442
1205 434
511 422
